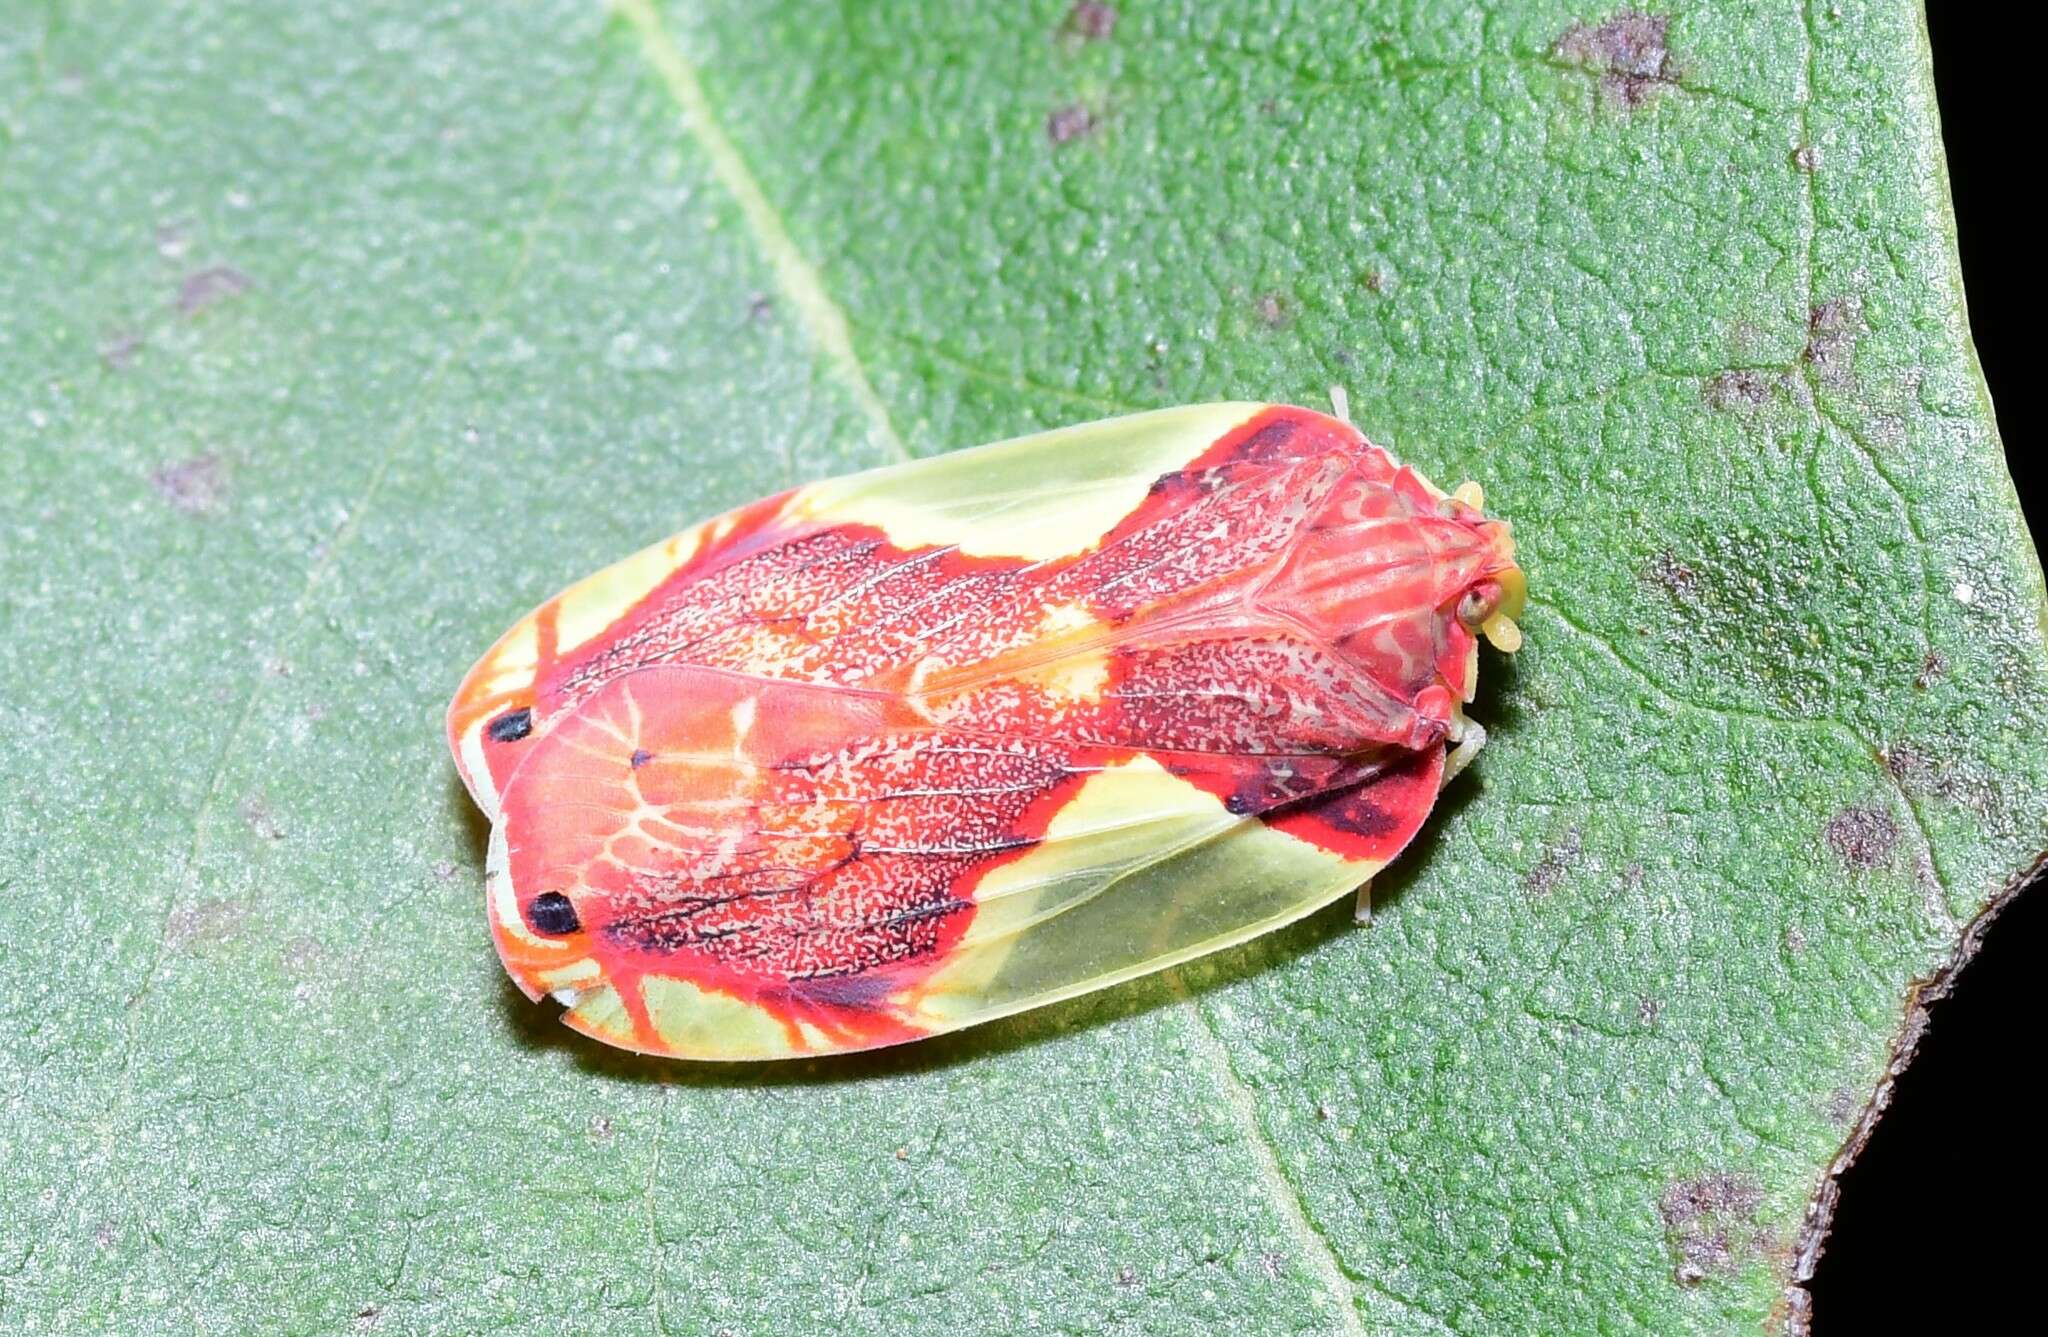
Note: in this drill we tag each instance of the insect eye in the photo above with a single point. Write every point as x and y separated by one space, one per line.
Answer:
1479 603
511 726
551 913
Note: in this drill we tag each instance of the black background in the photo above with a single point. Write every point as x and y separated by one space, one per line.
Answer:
1936 1226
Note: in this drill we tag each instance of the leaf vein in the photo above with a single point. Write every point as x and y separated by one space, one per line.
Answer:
798 279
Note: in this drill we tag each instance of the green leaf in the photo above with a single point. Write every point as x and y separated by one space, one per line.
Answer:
333 336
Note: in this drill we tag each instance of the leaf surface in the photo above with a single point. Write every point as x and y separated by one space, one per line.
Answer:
335 336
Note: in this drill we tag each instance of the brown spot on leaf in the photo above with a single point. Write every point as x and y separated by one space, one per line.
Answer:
1069 123
302 954
1127 1276
1742 388
197 486
1842 1105
1675 576
1806 158
1921 773
1273 313
1831 330
761 307
600 1128
1551 868
1711 1223
1932 670
208 921
210 287
1372 280
1648 1009
1091 21
1628 52
1863 837
119 349
260 819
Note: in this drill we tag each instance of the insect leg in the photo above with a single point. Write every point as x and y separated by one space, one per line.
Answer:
1470 736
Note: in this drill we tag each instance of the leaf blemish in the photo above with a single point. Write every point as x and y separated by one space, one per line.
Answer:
1627 51
119 350
1843 1105
256 813
209 287
1069 123
1680 580
1273 313
1744 388
208 921
1551 868
1831 330
1711 1222
196 487
1090 21
1863 837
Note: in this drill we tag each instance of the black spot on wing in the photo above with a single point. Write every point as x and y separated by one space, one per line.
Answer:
551 913
511 726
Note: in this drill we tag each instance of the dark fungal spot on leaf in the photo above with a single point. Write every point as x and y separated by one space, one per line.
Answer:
209 287
1743 388
1680 580
511 726
1920 773
1090 20
1273 312
1711 1223
260 819
1648 1009
551 913
1628 53
641 756
1806 158
196 487
301 955
1066 124
760 308
208 921
1831 330
1551 868
1863 837
1842 1105
119 349
1127 1276
1932 670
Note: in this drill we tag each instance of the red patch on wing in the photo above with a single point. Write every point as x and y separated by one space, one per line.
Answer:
797 847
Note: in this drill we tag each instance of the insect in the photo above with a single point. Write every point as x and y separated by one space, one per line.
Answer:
896 753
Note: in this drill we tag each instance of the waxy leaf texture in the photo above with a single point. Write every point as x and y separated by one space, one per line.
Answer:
333 336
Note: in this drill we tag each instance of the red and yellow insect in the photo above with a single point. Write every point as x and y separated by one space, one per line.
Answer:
893 754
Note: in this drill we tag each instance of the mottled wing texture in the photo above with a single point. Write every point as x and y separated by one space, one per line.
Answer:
787 868
894 754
